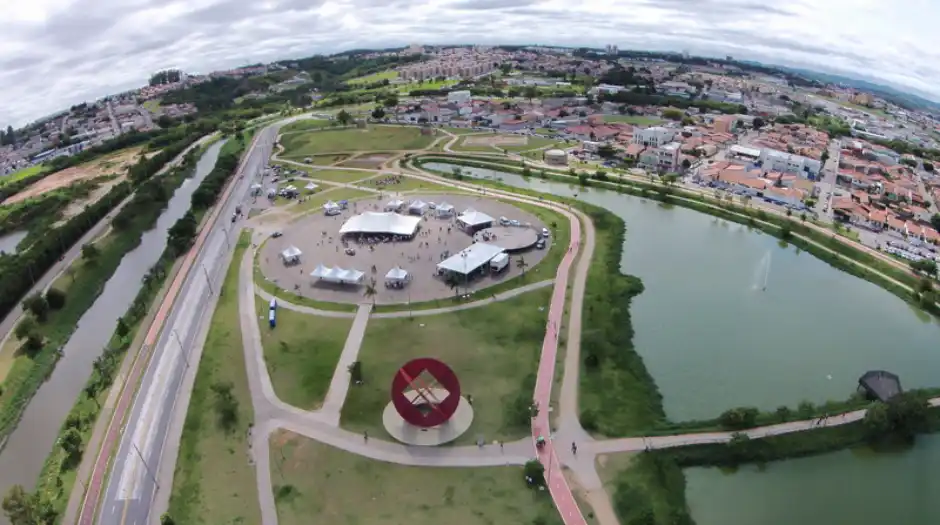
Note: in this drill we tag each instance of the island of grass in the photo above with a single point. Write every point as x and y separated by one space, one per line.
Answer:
307 125
374 138
214 481
494 351
301 353
341 488
389 74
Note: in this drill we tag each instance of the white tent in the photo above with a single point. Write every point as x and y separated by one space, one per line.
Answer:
331 208
311 186
291 255
376 222
470 259
394 205
474 219
417 207
320 271
351 276
444 210
397 275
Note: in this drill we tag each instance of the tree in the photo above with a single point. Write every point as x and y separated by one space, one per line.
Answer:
758 123
71 443
226 406
378 113
457 172
521 264
534 473
90 252
783 413
904 415
166 519
928 167
121 329
686 164
390 101
582 179
673 114
55 298
10 136
935 221
355 372
530 92
21 507
926 266
344 118
370 291
738 418
37 305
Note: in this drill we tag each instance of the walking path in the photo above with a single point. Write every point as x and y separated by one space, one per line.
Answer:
502 296
339 385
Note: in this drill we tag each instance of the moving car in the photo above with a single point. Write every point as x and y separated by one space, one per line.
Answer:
540 244
276 234
503 221
545 232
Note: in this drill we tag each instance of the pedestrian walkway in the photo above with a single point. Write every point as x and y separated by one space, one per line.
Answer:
339 385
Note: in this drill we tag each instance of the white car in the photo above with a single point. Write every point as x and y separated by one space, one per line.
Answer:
545 232
503 221
514 222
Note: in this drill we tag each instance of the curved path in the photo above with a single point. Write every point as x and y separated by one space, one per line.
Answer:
502 296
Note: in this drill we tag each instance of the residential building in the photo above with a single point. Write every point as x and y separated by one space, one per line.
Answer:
774 160
654 136
663 158
458 97
724 124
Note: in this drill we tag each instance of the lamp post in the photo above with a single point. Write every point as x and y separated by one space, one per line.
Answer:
182 348
146 466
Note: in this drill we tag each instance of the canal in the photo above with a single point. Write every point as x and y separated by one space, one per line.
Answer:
732 317
25 452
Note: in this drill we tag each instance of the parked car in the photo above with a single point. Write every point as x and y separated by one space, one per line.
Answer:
514 222
276 234
545 232
503 221
540 244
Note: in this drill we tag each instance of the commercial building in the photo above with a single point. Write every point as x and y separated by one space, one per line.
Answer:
653 137
773 160
663 158
458 97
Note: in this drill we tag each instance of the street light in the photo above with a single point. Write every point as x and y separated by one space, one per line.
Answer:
146 466
182 349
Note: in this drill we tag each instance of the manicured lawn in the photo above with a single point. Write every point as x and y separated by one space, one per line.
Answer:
306 125
343 176
374 77
214 482
435 84
301 353
20 174
298 145
464 131
407 184
152 105
494 350
341 488
636 120
335 195
532 143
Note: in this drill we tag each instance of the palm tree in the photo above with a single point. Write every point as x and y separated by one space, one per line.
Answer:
454 285
521 264
370 291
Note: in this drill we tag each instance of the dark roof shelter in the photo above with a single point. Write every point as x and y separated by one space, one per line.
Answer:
880 385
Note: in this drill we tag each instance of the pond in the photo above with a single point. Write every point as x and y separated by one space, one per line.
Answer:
10 241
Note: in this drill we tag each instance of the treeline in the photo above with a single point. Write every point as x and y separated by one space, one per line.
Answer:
644 99
168 76
20 271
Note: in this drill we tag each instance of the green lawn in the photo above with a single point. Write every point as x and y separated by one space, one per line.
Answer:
306 125
494 350
407 184
335 195
374 77
344 176
636 120
463 131
532 143
301 353
214 482
20 174
375 138
152 105
434 84
341 488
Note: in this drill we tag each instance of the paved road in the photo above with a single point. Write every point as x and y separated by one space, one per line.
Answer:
131 488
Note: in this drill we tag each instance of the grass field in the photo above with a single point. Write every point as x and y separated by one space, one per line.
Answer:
463 131
532 143
214 482
335 195
299 145
301 353
407 184
343 176
435 84
636 120
373 78
20 174
306 125
320 160
494 351
152 105
341 488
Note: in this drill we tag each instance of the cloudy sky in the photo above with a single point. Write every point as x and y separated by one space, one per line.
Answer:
59 52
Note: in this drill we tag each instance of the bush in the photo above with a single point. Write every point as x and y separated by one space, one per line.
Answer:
55 298
37 305
534 473
738 418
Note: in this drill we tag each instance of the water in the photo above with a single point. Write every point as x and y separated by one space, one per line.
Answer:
22 458
10 241
712 341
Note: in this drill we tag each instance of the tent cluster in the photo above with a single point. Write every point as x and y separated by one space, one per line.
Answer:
337 275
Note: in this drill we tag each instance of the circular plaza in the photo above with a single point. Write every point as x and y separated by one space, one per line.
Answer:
431 246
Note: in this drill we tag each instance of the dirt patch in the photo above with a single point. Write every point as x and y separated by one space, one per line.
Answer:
116 163
496 140
77 206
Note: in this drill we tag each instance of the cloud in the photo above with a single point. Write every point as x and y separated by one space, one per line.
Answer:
59 52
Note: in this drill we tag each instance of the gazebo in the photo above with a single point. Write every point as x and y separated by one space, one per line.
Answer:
311 186
444 209
291 255
394 205
472 220
397 277
880 385
417 207
331 208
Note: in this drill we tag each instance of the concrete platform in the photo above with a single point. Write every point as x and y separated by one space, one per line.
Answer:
410 434
513 239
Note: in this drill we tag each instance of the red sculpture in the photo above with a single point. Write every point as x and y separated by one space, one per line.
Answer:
416 392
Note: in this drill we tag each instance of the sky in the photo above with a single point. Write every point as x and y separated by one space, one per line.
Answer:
56 53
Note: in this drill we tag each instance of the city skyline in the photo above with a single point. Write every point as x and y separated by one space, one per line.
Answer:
61 52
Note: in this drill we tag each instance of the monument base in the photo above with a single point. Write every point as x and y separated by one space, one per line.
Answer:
410 434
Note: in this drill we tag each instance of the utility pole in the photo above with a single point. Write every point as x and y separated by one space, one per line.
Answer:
141 456
208 280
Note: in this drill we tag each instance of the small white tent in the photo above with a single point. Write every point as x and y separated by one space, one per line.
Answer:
417 207
331 208
394 205
397 275
311 186
444 210
291 255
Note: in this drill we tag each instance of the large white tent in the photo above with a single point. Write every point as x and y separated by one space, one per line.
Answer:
444 209
470 259
473 219
337 275
417 207
291 255
376 222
